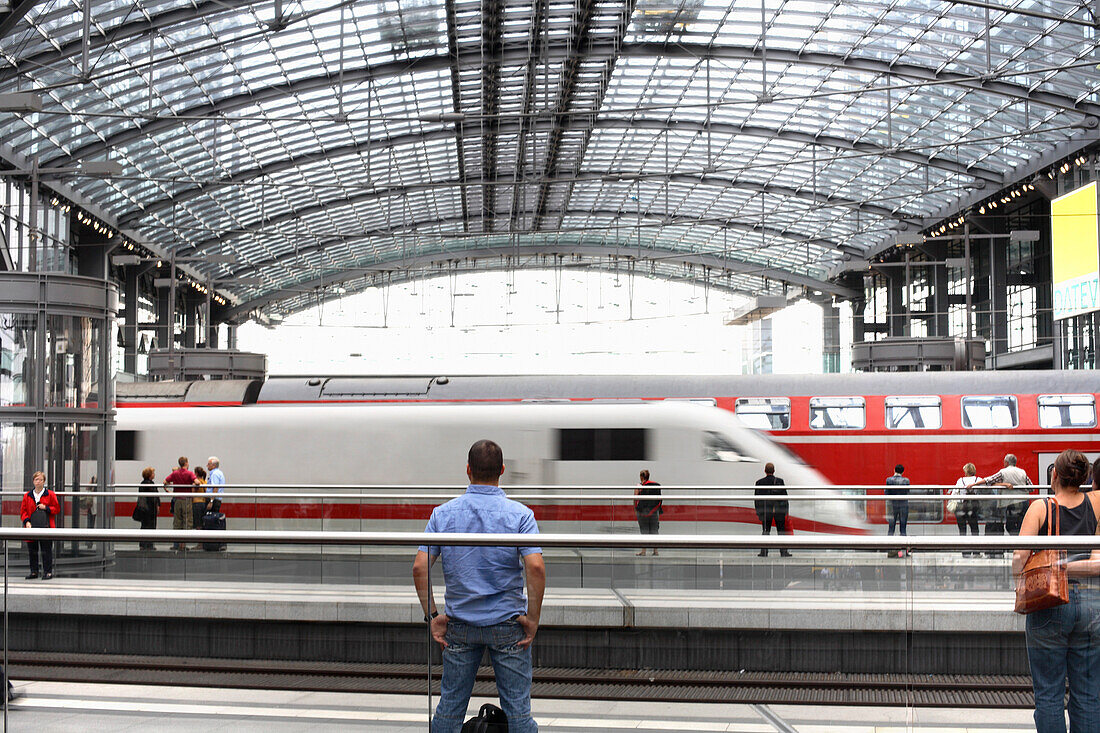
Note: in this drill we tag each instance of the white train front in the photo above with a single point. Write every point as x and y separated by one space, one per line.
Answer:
547 447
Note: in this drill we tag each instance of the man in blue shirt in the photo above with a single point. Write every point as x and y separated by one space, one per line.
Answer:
215 478
484 605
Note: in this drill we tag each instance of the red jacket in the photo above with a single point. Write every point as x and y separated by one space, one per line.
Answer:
28 506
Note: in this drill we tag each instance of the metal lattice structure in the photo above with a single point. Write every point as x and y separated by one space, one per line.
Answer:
333 142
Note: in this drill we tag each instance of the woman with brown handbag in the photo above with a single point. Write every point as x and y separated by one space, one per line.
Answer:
1063 641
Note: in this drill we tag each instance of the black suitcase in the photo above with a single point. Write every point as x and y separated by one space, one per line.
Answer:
213 521
490 719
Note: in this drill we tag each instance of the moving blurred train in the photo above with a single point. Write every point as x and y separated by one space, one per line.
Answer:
545 446
852 428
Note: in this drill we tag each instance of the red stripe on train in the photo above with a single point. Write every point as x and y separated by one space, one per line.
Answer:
543 513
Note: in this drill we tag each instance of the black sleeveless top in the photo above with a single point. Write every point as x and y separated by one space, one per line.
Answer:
1078 521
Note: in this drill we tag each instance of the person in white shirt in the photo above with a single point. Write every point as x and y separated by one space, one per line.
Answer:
965 510
215 482
1009 479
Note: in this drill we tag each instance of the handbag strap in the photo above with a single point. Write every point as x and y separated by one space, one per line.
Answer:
1053 517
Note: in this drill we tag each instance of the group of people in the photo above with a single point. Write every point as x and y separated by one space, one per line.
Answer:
1000 516
187 511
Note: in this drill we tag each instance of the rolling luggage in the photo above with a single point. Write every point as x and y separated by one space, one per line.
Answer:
213 521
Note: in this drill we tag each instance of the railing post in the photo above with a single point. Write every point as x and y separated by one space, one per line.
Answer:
429 625
7 670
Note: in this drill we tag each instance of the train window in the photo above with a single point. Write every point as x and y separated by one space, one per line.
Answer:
764 413
913 413
126 445
718 447
990 412
602 444
1067 411
837 413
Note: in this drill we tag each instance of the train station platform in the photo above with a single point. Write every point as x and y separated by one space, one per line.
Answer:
53 707
844 609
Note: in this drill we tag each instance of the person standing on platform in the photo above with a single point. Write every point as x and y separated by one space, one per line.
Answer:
38 510
150 505
183 482
198 503
215 483
898 508
966 510
1062 643
772 511
1005 515
484 605
1010 479
648 511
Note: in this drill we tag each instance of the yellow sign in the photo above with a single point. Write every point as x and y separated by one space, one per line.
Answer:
1075 252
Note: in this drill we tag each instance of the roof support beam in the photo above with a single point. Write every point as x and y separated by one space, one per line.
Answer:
456 103
575 45
10 19
572 122
491 20
135 29
666 220
516 54
328 206
703 261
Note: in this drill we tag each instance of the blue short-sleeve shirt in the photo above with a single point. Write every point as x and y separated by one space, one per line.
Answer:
484 584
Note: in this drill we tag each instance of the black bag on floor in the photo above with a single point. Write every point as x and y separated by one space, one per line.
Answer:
490 719
213 521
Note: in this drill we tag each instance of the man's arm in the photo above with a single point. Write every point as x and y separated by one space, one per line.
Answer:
536 585
420 580
427 596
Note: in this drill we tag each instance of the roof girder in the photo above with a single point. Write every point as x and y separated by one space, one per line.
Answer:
818 198
516 55
667 220
422 262
130 218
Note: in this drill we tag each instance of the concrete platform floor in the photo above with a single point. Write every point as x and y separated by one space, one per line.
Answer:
49 707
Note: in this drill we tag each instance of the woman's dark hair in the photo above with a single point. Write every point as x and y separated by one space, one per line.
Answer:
1096 474
1072 468
644 475
200 471
486 461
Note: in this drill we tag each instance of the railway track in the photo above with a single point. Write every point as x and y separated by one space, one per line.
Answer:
550 682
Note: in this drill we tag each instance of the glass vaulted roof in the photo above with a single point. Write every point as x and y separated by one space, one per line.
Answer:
345 143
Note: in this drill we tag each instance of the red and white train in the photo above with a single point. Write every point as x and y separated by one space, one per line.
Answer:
852 428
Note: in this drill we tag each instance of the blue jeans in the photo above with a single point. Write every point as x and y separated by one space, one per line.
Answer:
466 645
1064 642
899 514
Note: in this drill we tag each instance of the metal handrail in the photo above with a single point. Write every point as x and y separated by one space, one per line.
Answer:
556 487
608 541
228 495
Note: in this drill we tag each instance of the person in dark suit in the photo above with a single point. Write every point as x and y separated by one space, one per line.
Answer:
648 511
772 511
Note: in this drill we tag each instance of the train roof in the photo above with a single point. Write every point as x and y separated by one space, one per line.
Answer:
489 387
549 387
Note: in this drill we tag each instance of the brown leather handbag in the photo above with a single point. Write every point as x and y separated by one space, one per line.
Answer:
1043 582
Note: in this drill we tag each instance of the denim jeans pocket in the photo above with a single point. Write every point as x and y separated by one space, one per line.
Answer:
457 633
1044 628
507 634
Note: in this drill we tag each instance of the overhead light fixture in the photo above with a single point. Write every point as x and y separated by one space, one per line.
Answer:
20 102
104 168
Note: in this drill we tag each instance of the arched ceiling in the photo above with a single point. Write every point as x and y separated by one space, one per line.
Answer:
741 143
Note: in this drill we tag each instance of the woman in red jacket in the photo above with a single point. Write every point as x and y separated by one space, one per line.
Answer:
39 508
